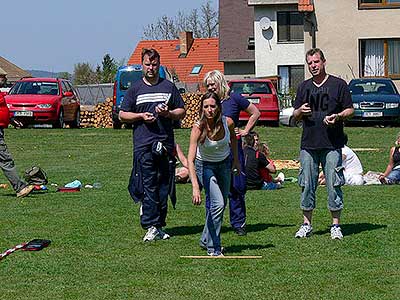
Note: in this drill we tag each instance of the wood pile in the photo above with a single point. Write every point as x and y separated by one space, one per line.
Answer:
98 116
192 105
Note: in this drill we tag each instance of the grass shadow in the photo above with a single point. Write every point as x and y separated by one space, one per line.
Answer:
355 228
188 230
240 248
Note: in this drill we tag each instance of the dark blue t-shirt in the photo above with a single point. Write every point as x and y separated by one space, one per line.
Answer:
144 98
332 97
232 106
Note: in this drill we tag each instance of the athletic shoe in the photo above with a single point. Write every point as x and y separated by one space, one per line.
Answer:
281 177
304 231
241 231
152 234
215 254
25 191
336 232
163 234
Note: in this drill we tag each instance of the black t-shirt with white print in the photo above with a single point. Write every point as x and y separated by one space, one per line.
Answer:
332 97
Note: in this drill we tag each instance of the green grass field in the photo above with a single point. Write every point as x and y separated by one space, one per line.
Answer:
97 250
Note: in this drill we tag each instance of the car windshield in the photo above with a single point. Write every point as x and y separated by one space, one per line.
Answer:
371 87
250 88
34 88
129 77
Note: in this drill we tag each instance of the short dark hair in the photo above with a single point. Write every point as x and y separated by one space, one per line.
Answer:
152 53
313 51
249 139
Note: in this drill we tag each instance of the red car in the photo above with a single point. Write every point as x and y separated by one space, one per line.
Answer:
44 101
262 93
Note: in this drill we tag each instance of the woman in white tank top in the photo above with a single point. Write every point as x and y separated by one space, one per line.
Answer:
210 142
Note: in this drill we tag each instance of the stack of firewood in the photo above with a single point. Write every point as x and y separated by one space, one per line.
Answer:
99 117
87 118
102 112
192 105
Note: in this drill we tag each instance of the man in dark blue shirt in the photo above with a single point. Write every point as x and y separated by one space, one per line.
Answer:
151 105
322 103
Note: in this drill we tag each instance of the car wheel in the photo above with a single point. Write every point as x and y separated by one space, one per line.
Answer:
77 122
60 121
294 123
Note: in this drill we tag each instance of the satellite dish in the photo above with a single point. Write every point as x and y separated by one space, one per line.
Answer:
265 23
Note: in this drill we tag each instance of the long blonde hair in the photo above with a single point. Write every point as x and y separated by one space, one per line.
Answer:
217 117
219 79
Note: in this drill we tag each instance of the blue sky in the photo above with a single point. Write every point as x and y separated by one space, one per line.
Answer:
54 35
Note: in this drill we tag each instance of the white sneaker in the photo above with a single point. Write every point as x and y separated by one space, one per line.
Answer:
281 177
163 234
336 232
304 231
152 234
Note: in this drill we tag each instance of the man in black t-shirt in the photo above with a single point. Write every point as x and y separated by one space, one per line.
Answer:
322 102
151 105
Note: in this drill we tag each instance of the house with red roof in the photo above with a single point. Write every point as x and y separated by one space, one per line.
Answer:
187 59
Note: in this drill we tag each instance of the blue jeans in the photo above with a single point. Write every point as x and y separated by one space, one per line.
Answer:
394 176
216 179
331 161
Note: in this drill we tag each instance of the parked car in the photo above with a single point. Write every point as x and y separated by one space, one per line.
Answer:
44 101
375 100
124 78
286 118
262 93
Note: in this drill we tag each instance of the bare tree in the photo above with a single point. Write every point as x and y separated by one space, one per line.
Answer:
202 24
209 18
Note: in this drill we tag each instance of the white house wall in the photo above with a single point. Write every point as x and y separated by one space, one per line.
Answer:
268 53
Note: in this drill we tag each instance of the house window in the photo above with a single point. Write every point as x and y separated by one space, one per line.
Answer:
196 69
250 43
380 58
290 26
378 3
290 78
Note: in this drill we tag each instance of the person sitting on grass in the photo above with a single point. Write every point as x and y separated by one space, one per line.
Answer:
255 163
353 170
181 173
392 172
270 183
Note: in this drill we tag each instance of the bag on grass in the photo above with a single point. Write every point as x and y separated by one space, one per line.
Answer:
36 176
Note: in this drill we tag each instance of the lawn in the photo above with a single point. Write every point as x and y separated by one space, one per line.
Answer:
97 251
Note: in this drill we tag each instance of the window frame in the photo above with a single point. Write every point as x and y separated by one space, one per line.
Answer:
288 26
384 4
199 66
385 58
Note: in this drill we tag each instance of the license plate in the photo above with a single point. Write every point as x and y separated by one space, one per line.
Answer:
254 100
373 114
23 114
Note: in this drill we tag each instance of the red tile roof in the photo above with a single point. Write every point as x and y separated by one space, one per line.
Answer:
306 5
204 51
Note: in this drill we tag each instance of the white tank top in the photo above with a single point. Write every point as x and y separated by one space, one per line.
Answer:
215 151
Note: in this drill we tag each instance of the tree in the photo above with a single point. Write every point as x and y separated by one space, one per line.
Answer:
203 23
64 75
110 67
84 74
209 18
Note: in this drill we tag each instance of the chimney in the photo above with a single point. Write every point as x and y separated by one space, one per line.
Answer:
186 42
